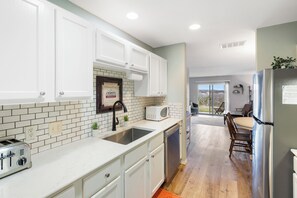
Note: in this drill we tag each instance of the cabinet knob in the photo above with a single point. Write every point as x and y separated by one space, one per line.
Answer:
132 64
107 175
126 63
61 93
153 156
42 93
147 160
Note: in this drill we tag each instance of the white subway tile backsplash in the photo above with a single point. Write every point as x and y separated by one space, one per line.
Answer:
11 119
76 116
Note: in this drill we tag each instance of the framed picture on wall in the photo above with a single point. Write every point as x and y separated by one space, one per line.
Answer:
108 91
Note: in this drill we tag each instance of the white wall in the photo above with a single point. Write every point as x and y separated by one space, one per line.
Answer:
277 40
236 100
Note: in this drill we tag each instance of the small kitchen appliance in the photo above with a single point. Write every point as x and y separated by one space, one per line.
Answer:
14 156
157 113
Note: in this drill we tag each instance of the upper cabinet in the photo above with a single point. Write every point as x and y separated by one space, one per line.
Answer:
74 66
155 82
23 48
46 53
110 49
139 58
118 53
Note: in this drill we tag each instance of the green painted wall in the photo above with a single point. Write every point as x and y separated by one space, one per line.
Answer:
278 40
177 83
67 5
176 57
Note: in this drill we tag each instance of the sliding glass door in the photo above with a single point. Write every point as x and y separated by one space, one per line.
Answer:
211 98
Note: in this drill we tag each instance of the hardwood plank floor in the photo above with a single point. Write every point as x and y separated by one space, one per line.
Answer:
210 173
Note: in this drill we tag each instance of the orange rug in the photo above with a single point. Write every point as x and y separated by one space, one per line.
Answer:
162 193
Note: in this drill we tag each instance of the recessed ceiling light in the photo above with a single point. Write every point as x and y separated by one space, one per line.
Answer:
132 15
194 27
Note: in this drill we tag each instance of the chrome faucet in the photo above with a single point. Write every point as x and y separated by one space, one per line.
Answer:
115 121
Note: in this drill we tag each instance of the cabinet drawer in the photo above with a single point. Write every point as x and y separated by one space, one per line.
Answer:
135 155
99 179
295 164
156 141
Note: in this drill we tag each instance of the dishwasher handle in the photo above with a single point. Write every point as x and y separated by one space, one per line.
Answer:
171 130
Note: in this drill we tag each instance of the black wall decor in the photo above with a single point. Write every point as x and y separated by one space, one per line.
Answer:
108 90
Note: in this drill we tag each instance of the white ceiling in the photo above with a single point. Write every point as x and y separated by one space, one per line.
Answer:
166 22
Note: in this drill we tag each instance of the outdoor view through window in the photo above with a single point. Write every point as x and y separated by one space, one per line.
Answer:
211 98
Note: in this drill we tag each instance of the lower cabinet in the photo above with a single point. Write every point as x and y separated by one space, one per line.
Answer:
157 175
146 175
136 180
73 191
137 174
112 190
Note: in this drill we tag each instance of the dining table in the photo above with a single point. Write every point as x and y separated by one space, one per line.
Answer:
244 123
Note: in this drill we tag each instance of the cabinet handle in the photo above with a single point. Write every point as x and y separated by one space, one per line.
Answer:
42 93
107 175
61 93
153 156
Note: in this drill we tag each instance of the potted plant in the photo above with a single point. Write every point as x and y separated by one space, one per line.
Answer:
283 63
95 129
126 119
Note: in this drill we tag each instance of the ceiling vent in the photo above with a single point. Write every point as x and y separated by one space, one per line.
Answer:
232 44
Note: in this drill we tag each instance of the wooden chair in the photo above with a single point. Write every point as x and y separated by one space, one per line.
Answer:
221 108
238 139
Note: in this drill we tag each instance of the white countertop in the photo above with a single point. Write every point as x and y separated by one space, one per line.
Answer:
56 168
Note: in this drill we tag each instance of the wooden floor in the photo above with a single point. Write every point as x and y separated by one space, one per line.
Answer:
210 173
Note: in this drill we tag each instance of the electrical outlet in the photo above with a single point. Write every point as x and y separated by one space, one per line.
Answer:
55 128
30 133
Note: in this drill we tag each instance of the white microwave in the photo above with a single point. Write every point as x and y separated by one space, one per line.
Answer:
157 113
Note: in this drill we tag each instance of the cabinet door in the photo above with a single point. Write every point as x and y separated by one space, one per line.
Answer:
154 75
74 191
163 77
74 66
111 49
156 169
136 180
139 59
24 29
112 190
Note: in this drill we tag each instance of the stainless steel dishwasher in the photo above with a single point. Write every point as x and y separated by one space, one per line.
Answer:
172 152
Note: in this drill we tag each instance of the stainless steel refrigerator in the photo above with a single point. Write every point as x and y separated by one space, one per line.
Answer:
274 132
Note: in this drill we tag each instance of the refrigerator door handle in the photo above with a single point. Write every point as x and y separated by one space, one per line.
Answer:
260 122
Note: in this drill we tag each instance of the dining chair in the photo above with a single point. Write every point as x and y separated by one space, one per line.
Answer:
241 140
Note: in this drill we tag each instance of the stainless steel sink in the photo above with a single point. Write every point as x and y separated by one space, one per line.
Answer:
128 136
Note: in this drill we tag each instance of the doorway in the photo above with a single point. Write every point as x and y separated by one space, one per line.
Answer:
210 97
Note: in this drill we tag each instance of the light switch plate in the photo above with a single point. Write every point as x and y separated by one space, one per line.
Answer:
31 134
55 128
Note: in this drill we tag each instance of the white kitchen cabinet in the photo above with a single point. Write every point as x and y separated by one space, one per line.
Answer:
155 82
120 54
136 180
157 174
25 31
145 168
74 64
96 181
46 53
112 190
73 191
111 49
163 77
139 59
